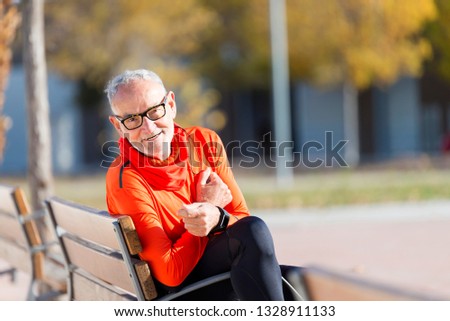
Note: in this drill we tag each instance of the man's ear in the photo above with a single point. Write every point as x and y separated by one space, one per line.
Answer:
113 120
171 103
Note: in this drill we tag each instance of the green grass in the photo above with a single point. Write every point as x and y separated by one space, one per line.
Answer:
321 189
313 188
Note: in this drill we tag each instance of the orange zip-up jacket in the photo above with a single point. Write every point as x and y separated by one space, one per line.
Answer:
171 251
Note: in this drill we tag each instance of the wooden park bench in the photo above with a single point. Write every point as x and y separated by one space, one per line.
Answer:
101 255
323 284
22 248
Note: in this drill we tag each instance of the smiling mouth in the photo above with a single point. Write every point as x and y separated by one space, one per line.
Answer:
152 137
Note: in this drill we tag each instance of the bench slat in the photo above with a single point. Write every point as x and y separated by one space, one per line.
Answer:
25 211
107 267
11 229
7 204
145 279
79 220
15 255
130 235
87 289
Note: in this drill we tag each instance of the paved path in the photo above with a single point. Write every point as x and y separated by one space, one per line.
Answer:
405 245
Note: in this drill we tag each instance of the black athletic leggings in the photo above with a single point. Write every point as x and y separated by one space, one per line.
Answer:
246 249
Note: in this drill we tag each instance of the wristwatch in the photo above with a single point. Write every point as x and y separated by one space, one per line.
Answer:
223 222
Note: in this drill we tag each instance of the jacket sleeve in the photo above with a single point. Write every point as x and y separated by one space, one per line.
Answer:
170 260
216 155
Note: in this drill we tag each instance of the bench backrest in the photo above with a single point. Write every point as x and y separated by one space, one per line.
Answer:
18 233
100 253
321 284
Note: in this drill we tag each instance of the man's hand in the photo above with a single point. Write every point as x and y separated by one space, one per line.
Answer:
211 189
199 218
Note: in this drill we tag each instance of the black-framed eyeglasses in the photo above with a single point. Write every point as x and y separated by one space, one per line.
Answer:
153 113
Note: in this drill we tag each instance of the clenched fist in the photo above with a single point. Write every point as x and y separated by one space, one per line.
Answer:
211 189
199 218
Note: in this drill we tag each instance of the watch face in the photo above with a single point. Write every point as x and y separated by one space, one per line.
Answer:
223 221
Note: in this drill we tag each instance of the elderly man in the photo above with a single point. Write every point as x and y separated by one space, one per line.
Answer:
176 185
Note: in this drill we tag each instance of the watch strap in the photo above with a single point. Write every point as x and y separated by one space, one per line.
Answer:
221 226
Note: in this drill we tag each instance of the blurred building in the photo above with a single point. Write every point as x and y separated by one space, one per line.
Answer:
394 122
389 120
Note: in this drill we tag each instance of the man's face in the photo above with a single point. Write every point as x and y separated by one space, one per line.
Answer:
153 138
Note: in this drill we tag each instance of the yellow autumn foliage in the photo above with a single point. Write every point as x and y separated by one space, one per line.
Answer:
364 41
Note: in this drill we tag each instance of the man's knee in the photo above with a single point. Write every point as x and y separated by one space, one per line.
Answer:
255 232
252 225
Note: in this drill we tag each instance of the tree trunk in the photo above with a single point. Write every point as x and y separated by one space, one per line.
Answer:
351 125
40 175
39 140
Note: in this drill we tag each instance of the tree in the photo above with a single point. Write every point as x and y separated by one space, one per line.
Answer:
9 21
39 139
438 33
437 76
236 50
357 43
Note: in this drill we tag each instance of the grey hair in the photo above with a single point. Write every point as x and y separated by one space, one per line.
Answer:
128 76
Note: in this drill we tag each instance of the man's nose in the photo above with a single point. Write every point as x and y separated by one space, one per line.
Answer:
148 124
